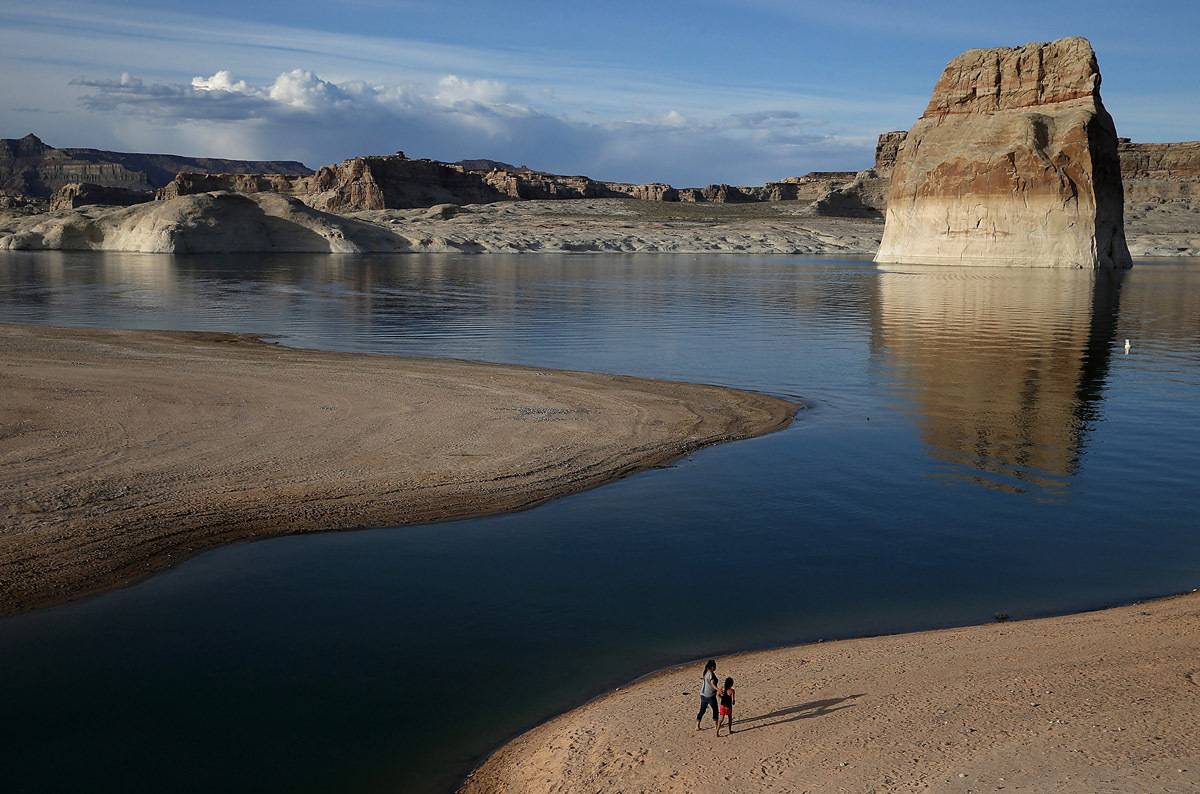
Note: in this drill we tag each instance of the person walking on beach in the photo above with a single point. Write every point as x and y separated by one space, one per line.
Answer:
708 691
727 701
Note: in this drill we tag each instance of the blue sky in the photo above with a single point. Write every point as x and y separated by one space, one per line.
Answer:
682 92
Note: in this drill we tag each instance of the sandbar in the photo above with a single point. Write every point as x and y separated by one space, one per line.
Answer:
1104 701
123 452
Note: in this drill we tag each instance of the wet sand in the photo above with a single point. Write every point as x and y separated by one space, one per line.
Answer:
1097 702
123 452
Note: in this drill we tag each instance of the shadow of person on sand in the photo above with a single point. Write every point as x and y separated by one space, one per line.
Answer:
817 708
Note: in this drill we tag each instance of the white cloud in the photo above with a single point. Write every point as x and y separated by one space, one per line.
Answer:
225 97
300 89
221 81
453 89
670 119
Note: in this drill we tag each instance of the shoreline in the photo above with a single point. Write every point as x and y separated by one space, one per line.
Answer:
638 736
607 226
193 440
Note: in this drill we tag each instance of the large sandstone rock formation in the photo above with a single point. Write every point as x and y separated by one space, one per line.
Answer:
1014 162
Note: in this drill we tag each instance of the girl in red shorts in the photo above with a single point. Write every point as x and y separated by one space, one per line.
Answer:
727 701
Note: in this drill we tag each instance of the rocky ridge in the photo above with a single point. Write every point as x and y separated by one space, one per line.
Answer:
398 182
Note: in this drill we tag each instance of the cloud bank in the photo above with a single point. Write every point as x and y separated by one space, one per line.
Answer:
302 116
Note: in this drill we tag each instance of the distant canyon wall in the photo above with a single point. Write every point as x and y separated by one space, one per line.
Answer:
31 169
32 172
397 182
1159 160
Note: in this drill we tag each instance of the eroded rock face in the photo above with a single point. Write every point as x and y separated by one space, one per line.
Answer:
81 194
1160 160
188 183
886 150
1014 162
864 197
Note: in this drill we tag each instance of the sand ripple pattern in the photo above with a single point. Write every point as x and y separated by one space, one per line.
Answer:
126 451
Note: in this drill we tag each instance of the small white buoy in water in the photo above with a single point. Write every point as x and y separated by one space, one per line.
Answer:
1126 347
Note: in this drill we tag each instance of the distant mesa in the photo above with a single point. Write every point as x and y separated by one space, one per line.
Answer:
1014 162
1159 160
33 173
484 164
32 169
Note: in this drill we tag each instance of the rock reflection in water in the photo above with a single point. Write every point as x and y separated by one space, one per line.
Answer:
1003 368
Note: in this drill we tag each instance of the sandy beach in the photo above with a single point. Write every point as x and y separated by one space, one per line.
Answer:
123 452
1096 702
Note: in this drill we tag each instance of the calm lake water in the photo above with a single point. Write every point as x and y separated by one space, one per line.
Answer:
973 441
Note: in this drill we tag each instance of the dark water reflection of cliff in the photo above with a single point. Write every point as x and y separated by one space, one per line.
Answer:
973 441
1004 368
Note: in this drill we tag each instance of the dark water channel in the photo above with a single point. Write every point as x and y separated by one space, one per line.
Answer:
974 441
